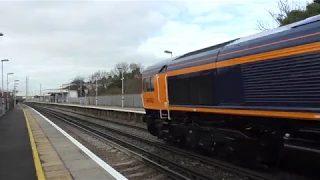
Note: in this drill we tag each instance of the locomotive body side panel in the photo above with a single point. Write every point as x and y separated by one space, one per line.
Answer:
241 69
253 96
194 89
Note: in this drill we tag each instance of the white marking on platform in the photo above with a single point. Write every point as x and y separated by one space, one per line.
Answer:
99 161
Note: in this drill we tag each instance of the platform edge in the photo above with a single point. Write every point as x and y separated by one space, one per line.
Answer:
36 159
95 158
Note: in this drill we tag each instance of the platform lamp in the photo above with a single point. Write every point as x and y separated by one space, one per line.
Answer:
2 98
15 83
122 98
168 52
8 89
96 91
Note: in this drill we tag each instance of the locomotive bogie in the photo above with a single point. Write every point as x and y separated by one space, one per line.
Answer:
255 139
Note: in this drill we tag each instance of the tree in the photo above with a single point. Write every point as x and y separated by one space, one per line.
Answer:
78 82
122 66
102 81
110 82
135 69
97 75
290 13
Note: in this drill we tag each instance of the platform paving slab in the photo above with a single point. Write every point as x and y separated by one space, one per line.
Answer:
53 167
68 159
16 159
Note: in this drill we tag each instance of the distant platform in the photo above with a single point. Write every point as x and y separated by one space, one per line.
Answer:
110 108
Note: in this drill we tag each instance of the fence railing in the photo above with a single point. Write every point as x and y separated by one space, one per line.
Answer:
129 100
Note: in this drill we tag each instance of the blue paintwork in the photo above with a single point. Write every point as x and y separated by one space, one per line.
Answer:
261 42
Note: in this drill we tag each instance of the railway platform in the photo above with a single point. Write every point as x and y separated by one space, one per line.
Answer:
134 116
33 147
16 159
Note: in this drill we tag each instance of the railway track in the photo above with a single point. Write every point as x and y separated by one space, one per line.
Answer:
209 161
206 160
103 119
175 171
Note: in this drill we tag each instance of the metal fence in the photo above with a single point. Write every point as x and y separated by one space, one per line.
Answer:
130 100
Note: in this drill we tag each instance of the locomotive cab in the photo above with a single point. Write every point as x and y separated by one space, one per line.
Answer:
154 93
149 94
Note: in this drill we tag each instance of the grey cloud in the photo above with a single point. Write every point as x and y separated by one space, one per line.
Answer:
42 37
54 41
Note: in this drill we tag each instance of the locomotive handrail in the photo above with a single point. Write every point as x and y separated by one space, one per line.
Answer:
166 89
158 88
167 97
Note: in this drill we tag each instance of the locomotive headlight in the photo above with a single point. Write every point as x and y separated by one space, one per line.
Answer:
287 135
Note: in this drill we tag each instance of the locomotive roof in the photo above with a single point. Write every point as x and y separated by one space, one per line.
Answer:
217 47
161 63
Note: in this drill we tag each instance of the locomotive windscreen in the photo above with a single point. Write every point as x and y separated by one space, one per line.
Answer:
192 89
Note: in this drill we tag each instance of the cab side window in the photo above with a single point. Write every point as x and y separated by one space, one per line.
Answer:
148 84
151 87
144 84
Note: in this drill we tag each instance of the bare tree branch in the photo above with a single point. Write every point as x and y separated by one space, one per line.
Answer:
263 26
284 8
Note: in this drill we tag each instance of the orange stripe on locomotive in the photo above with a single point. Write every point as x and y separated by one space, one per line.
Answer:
155 86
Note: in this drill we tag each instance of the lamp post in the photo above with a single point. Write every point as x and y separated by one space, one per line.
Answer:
168 52
69 93
1 34
8 89
3 60
40 94
122 98
15 83
96 91
14 90
62 95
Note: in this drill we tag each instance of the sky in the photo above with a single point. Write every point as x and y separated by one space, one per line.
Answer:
52 42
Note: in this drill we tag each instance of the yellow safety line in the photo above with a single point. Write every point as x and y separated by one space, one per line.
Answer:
35 153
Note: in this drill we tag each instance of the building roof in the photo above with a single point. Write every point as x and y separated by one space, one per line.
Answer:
67 85
56 91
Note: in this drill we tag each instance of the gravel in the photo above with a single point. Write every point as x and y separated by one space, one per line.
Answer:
113 156
214 172
116 126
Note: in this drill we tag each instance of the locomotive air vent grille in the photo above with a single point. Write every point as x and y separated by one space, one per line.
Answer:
290 81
